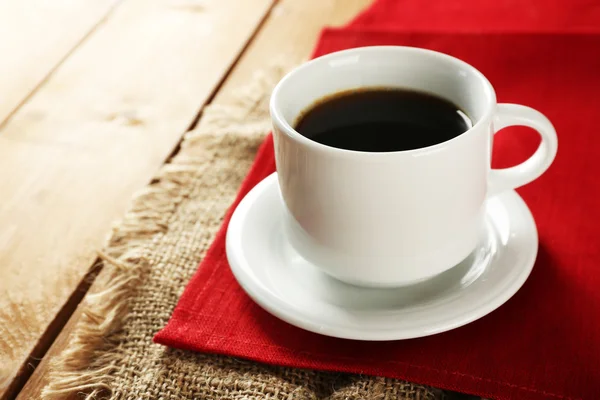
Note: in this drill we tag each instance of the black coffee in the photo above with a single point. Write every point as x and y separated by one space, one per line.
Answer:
380 120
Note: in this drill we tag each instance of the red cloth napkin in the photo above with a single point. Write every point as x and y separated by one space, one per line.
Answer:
544 343
482 16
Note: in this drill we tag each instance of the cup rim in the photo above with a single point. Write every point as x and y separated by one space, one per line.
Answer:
292 133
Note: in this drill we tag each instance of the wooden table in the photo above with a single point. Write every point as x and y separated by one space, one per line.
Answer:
94 97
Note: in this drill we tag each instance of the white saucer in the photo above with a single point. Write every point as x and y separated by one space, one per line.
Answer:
289 287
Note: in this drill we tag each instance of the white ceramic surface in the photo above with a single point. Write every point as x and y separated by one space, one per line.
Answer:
396 218
293 289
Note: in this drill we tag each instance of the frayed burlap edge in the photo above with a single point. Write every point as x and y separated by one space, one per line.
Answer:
85 366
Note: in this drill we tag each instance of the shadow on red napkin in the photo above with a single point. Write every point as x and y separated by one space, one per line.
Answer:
544 343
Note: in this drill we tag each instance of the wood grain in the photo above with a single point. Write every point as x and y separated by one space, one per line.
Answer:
94 133
290 31
35 35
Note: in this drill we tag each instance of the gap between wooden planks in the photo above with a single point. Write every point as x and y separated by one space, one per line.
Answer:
95 132
35 36
290 31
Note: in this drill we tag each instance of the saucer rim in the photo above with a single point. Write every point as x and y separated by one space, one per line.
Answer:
287 312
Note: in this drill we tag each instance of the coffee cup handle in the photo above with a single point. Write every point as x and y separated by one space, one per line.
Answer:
529 170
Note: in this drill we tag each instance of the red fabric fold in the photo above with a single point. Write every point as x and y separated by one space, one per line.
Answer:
544 343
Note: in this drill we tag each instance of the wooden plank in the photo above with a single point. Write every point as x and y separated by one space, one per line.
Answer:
289 34
35 35
292 28
95 132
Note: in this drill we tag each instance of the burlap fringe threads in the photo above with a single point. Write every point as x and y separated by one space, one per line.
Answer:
86 365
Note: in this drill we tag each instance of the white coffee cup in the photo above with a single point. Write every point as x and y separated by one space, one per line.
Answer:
394 218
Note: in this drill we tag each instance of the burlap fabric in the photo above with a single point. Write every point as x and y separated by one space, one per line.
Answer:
153 252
